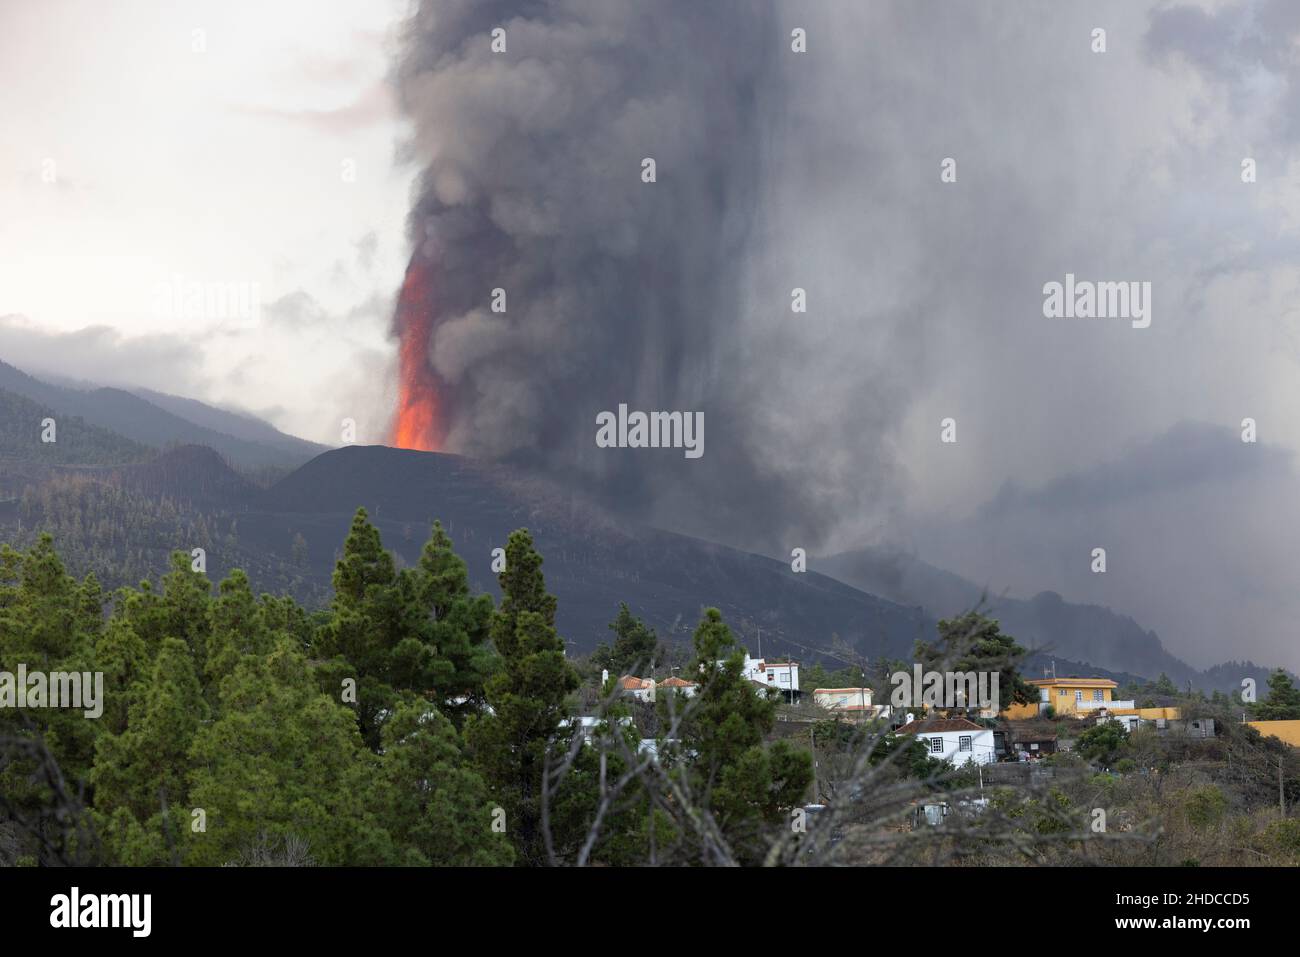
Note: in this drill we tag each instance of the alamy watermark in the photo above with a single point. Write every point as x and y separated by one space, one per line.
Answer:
182 299
82 690
945 689
1082 299
75 909
651 430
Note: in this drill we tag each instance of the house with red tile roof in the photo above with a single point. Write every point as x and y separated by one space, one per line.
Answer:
674 683
643 689
955 740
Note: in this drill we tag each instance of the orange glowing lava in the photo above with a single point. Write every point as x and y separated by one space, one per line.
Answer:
418 421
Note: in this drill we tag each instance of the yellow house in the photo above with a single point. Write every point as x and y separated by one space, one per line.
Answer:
1285 731
1151 714
1083 698
1075 696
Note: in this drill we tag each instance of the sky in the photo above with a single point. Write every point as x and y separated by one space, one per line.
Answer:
778 169
151 146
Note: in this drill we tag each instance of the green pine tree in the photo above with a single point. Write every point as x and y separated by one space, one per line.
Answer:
237 629
456 628
974 642
747 786
527 697
283 761
186 595
44 625
635 644
418 630
434 805
366 624
143 770
1283 701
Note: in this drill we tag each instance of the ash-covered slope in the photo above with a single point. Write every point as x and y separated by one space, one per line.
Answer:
592 560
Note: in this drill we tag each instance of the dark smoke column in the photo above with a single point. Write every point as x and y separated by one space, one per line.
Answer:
617 290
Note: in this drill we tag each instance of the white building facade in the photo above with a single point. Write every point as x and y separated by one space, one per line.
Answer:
955 740
850 702
782 675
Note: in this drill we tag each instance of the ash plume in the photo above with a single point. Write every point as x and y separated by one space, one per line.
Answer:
618 291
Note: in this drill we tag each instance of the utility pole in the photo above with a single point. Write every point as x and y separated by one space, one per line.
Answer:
812 735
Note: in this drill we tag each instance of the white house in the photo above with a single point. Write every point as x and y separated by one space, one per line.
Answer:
955 740
1130 722
782 675
588 725
643 689
687 688
852 702
842 698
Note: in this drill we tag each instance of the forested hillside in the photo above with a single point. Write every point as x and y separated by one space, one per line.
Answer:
410 723
75 441
416 722
123 534
145 423
118 508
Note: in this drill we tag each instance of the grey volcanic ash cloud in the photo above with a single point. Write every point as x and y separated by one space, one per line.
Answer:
821 171
617 290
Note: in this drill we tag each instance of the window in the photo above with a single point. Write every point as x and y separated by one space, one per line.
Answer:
1047 695
936 745
963 743
1078 696
1098 696
771 676
1062 693
1034 746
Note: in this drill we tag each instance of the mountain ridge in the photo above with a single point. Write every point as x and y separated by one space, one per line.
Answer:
1047 623
132 417
879 601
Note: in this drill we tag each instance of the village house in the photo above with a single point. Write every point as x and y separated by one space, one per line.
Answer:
955 740
1068 696
589 725
1288 732
1167 720
642 689
780 676
1027 743
1077 697
687 688
852 703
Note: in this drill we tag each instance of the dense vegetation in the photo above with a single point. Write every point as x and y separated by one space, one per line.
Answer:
411 722
123 534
